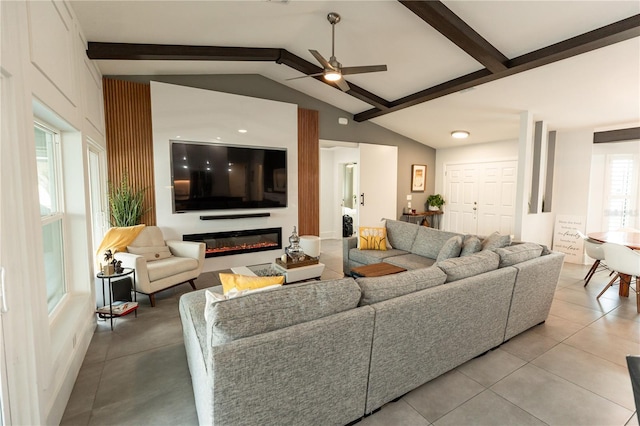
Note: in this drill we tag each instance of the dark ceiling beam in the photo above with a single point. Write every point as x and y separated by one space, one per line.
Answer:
170 52
605 36
447 23
620 135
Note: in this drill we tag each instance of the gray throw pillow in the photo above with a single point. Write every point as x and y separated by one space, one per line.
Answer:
519 253
495 241
450 249
471 245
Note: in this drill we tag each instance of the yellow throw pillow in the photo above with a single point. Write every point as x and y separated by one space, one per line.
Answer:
245 282
370 238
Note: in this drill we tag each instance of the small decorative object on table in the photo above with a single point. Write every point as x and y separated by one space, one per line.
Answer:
108 268
294 252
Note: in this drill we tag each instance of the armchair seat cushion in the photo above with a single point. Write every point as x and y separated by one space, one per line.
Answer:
159 269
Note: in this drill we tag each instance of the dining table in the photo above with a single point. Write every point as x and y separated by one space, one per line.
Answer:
629 238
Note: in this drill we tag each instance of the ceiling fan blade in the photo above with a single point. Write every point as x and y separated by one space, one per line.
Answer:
343 85
325 64
363 69
304 76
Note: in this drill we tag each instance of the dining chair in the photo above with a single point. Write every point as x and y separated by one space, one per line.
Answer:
624 261
594 251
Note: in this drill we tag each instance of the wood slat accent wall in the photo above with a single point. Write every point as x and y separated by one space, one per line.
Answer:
127 107
308 173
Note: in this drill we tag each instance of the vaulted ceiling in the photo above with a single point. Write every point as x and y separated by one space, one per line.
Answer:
472 65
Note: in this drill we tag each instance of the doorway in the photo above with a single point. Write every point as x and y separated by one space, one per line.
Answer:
353 183
481 197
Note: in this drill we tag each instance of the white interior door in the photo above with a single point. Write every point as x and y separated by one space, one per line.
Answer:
481 197
378 182
462 198
497 197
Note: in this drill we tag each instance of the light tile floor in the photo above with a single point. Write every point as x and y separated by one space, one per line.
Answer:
571 370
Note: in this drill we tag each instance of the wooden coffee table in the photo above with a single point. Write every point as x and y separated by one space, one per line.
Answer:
376 270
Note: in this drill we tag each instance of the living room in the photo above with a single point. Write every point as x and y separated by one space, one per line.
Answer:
46 75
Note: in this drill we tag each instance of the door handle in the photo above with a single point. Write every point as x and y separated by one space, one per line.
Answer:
362 199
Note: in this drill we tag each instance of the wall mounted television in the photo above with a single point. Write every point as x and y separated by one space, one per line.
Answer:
211 176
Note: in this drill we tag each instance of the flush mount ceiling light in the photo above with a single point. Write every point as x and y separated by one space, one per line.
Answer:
242 130
459 134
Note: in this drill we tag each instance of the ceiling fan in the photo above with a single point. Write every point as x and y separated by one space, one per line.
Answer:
333 70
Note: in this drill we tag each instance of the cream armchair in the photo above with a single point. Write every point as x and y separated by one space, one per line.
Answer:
160 266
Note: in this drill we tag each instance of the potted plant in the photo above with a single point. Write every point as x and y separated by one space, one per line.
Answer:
435 202
127 204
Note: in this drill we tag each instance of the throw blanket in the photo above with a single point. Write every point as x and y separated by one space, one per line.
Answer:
117 239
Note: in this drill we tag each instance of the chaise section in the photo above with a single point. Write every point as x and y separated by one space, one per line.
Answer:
421 335
296 355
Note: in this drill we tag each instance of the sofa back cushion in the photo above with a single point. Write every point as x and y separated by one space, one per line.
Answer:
377 289
518 253
257 313
471 245
464 267
401 234
429 241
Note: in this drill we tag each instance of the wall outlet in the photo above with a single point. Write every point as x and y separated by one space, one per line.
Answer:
409 197
409 204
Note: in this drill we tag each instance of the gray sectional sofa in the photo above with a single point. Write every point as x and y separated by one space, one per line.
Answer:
331 352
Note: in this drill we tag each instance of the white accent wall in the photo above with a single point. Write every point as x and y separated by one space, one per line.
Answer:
207 116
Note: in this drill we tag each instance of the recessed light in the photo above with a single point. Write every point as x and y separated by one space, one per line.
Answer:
460 134
178 137
242 130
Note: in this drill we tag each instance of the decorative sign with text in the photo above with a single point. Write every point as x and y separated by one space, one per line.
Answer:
566 238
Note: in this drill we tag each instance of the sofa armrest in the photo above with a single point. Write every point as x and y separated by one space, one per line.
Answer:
139 263
190 249
348 243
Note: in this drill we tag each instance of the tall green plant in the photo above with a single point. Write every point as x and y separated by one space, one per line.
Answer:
127 204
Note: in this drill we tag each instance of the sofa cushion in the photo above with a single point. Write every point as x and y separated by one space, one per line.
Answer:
495 241
475 264
401 234
151 253
471 244
262 312
409 261
450 249
372 238
429 241
377 289
372 256
244 282
518 253
169 267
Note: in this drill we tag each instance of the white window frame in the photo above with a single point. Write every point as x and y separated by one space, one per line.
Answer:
59 214
628 215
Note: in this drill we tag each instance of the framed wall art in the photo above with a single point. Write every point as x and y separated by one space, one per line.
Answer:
418 177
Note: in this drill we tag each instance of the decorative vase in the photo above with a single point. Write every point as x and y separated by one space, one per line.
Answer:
294 252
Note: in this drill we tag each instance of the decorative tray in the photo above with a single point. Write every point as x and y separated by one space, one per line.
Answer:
289 264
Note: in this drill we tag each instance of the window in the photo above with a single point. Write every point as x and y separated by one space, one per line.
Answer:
621 189
51 211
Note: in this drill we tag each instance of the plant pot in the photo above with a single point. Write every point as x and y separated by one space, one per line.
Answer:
433 208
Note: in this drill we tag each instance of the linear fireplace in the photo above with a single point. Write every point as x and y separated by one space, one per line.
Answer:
237 242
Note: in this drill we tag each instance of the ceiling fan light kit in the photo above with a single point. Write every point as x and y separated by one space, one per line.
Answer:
332 76
460 134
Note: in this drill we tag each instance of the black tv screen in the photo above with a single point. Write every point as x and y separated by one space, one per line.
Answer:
209 176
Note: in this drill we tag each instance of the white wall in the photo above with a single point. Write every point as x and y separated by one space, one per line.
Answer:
204 116
43 59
